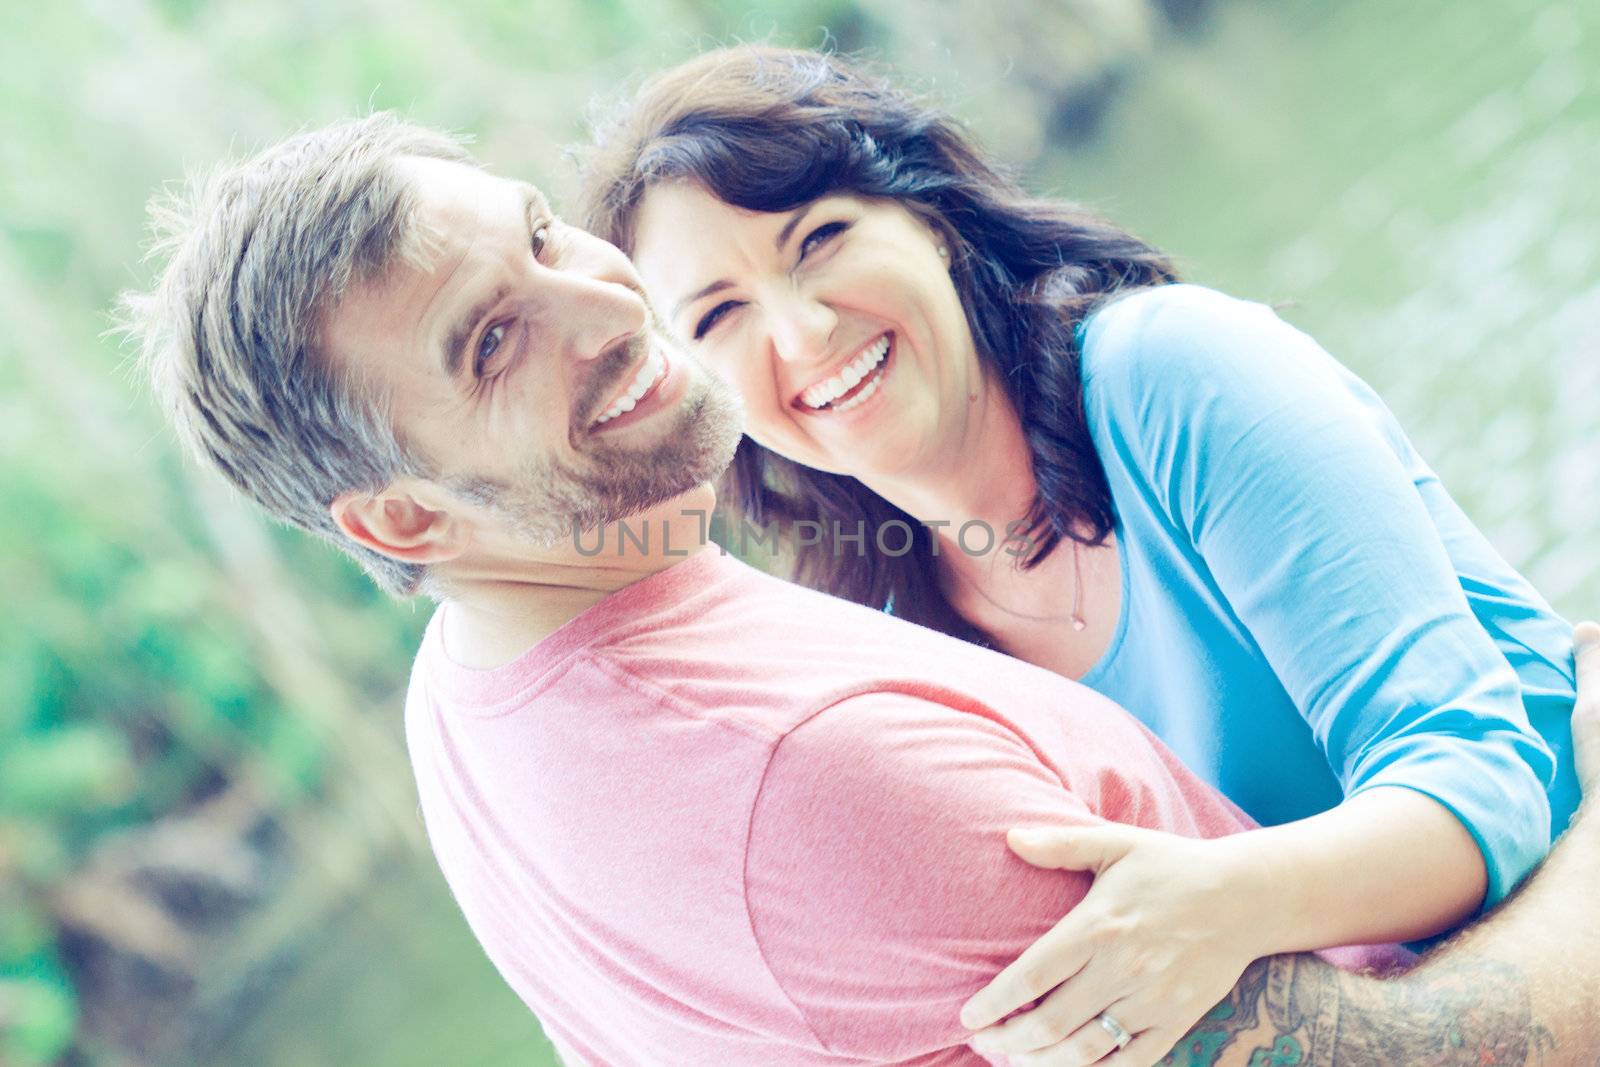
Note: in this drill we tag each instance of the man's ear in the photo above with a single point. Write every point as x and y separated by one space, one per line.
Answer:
395 523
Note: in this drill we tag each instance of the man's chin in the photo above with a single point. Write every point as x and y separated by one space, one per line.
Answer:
692 453
550 501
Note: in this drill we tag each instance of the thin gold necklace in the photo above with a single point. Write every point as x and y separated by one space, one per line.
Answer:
1076 618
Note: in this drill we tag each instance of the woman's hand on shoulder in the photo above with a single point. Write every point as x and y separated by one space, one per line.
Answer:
1163 934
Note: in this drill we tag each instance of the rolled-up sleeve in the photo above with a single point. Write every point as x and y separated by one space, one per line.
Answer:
1292 483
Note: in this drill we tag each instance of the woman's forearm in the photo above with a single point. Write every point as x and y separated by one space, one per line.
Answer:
1519 988
1389 864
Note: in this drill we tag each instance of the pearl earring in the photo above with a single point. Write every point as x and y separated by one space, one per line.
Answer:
944 253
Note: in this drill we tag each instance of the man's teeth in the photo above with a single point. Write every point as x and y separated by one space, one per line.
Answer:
824 393
653 367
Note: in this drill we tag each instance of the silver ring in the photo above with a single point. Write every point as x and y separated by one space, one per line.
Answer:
1115 1029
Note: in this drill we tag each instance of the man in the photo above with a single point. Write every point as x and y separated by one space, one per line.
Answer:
694 814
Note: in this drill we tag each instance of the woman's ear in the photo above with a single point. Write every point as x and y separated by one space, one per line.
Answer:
395 523
941 239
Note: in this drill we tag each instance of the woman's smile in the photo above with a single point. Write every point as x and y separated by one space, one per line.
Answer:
838 322
852 385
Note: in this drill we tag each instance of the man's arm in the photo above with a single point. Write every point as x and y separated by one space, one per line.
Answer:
1521 986
878 882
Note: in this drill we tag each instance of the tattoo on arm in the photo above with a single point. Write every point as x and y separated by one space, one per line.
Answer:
1298 1011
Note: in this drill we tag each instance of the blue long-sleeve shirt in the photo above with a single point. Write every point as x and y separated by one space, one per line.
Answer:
1305 612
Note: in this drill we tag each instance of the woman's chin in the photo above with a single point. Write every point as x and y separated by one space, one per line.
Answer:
857 448
882 459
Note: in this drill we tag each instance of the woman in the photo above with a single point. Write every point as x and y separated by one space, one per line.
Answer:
1167 494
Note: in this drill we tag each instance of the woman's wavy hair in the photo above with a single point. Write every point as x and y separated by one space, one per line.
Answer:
769 129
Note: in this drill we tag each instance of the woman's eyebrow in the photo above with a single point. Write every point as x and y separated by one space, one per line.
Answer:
715 287
788 227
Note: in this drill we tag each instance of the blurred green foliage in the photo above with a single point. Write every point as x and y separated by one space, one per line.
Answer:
180 682
202 781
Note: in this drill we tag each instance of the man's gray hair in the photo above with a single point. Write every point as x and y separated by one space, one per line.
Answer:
256 255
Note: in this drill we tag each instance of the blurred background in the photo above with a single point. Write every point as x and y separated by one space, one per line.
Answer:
209 844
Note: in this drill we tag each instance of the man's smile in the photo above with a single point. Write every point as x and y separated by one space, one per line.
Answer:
645 391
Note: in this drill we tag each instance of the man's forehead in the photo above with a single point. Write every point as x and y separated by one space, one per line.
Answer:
454 202
459 216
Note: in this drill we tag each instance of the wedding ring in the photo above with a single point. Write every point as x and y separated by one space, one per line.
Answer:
1115 1029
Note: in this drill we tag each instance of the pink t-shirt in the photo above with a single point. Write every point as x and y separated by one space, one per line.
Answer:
721 819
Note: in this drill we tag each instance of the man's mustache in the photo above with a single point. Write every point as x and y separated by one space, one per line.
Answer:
615 366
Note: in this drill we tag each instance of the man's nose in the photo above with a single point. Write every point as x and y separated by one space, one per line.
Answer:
801 326
599 313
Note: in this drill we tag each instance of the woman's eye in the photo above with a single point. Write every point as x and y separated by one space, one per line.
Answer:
540 239
819 236
488 345
710 318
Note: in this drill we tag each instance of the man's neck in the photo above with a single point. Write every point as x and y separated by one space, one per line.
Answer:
508 598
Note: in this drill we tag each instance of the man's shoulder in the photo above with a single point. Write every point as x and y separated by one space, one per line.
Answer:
761 642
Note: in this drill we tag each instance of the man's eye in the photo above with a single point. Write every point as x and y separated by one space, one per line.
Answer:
488 345
819 236
712 317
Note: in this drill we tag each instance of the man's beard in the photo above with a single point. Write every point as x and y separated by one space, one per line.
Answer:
551 501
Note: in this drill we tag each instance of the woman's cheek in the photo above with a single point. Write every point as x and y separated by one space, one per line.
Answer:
769 421
750 377
714 359
743 376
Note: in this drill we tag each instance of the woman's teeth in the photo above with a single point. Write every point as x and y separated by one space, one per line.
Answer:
653 367
866 391
826 392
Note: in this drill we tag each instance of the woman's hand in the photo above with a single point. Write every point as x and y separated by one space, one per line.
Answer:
1162 935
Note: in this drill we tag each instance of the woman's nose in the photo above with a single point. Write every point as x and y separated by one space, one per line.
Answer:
801 327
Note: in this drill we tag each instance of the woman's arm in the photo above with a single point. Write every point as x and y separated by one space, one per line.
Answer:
1170 923
1297 499
1389 864
1289 488
1521 987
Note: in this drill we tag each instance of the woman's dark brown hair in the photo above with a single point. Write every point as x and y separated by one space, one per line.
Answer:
769 129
